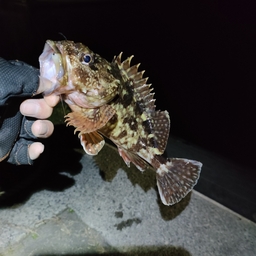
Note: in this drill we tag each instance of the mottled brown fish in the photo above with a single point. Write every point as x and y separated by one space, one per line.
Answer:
115 101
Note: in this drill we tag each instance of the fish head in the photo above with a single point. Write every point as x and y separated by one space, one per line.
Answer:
72 69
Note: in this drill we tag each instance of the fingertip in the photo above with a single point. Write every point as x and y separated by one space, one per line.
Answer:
37 108
23 107
29 107
52 100
35 150
42 128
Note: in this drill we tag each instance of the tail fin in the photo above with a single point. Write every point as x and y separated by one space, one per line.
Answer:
176 178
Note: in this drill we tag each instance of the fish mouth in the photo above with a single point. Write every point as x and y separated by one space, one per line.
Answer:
52 68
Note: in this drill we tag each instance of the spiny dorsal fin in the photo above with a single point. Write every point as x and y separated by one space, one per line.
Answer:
139 84
138 76
157 122
127 63
117 59
133 70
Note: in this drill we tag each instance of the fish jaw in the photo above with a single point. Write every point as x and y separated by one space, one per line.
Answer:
51 68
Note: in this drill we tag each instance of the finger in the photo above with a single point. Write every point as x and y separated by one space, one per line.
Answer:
37 108
42 128
52 100
20 154
35 150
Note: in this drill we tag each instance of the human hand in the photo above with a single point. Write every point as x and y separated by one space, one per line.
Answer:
39 109
18 133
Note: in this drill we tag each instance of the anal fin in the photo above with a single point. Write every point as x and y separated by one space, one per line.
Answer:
176 178
129 157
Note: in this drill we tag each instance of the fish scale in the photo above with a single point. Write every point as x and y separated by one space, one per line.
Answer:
113 100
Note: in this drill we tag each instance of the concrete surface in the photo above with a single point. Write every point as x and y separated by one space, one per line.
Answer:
109 209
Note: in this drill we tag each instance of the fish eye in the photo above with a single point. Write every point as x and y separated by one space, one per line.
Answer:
87 59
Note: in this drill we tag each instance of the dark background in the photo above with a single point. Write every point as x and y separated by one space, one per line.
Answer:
200 57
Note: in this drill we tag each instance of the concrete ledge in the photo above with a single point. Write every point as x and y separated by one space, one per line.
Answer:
117 211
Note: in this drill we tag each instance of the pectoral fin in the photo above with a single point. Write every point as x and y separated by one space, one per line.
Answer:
88 120
92 143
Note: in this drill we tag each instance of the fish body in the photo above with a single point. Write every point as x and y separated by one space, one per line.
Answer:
113 99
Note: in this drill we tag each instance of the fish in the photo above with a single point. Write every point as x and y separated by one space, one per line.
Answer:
113 100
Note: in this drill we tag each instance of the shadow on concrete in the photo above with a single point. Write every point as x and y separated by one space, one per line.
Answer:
52 171
170 212
138 251
109 162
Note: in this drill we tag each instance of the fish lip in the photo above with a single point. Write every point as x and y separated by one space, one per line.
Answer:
52 46
49 48
57 46
52 68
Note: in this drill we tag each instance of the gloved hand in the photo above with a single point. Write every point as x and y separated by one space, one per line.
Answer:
19 81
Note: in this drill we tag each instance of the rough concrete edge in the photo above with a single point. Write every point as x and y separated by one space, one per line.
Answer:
223 207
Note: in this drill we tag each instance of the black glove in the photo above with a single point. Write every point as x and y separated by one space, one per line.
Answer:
18 81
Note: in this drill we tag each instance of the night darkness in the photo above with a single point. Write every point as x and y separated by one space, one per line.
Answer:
199 56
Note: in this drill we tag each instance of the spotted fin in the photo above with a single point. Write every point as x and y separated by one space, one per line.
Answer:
89 120
131 157
176 178
92 142
142 91
155 123
159 127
